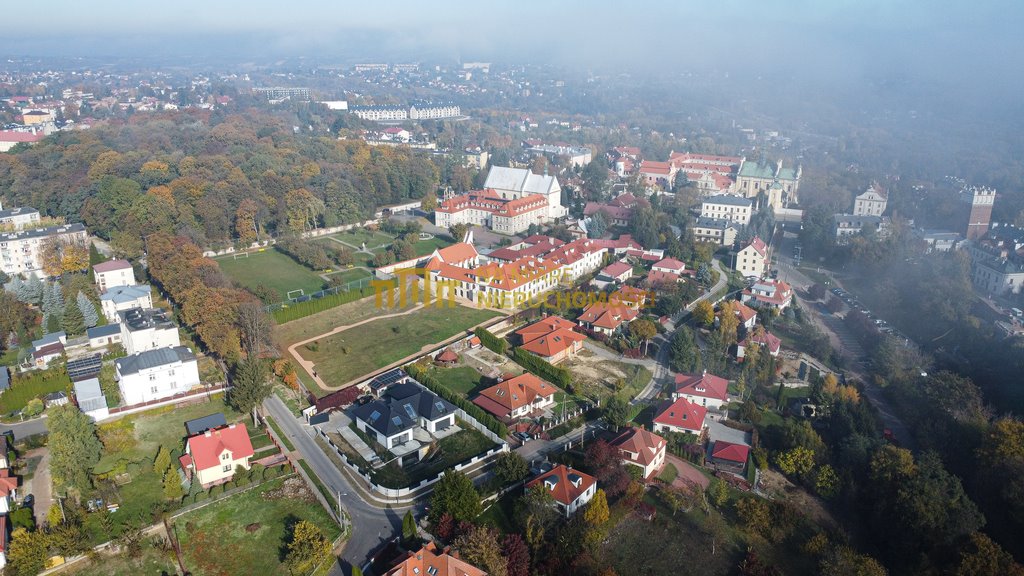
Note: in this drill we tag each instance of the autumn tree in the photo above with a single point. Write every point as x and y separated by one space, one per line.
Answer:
27 553
728 323
172 484
307 549
704 313
536 516
246 226
980 556
479 546
162 461
429 202
303 209
642 330
596 513
458 231
256 328
517 555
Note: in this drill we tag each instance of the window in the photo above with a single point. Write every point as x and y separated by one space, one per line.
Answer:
225 456
152 377
152 390
226 468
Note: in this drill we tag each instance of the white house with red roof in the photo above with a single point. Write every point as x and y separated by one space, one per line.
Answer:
641 448
571 489
606 317
704 389
669 266
752 259
113 273
729 457
211 457
774 294
745 314
614 273
552 338
657 173
764 339
681 416
11 138
517 397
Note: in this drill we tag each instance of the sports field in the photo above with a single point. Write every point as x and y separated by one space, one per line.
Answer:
349 275
271 269
346 355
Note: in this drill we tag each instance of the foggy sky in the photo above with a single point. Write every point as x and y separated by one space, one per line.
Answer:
978 43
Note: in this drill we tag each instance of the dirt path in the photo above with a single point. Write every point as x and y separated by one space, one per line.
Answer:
308 366
40 485
687 472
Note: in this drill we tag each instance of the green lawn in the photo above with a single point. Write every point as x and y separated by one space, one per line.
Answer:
669 473
34 384
424 247
501 514
461 379
357 236
280 434
271 269
351 353
215 539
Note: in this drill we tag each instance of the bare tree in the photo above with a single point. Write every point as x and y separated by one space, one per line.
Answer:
257 328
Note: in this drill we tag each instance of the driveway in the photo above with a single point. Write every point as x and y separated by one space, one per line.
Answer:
687 472
40 484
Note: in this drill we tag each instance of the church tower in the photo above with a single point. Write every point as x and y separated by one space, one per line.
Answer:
981 199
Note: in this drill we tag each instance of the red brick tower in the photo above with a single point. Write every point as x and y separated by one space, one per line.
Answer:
981 199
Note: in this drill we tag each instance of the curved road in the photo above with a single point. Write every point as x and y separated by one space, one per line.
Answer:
371 526
25 429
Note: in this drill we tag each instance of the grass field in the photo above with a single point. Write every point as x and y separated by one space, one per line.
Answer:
424 247
215 539
351 353
32 385
271 269
356 237
349 275
461 379
350 313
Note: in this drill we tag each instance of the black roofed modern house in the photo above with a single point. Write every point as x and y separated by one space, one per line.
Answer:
407 419
156 374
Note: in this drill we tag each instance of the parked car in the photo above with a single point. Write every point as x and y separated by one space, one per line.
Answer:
28 501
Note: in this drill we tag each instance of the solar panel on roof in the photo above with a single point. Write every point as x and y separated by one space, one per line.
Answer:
387 378
83 368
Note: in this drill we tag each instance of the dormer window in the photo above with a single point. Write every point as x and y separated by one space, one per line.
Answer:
225 456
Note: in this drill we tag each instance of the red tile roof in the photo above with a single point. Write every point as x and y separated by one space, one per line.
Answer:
683 414
671 265
430 561
606 315
554 343
704 385
743 312
564 490
8 483
657 277
457 253
763 338
645 445
616 269
18 136
517 392
207 447
652 167
732 452
759 246
542 327
447 355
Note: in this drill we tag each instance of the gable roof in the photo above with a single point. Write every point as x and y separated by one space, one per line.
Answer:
639 442
458 252
520 180
207 447
111 265
670 264
429 561
732 452
121 294
743 312
616 269
683 414
758 246
520 391
704 385
339 399
763 338
565 484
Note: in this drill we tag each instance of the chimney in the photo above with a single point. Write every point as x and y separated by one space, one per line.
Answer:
207 434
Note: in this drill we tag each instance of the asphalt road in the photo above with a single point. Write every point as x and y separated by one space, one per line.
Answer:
371 526
24 429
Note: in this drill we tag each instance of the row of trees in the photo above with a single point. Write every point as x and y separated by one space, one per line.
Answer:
225 319
213 178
